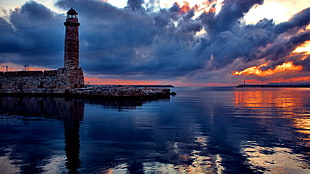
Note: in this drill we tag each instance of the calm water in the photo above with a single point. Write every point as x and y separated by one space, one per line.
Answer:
201 130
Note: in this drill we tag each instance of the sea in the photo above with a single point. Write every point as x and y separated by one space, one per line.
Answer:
199 130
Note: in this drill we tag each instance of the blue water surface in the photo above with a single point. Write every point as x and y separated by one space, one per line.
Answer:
200 130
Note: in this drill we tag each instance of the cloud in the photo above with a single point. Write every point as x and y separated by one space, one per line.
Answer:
298 20
32 36
135 5
137 43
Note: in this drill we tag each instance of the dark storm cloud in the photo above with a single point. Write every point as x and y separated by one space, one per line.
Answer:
135 5
285 38
8 39
228 39
232 11
297 21
31 36
283 47
126 42
138 42
264 40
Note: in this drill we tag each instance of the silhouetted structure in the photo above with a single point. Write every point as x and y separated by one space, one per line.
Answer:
54 81
71 57
72 120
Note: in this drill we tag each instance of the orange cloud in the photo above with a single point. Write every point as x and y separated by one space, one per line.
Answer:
256 70
303 48
205 6
185 8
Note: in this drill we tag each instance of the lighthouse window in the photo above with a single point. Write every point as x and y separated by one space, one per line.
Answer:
71 16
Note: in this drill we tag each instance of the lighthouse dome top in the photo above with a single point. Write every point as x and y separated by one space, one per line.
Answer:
72 12
72 18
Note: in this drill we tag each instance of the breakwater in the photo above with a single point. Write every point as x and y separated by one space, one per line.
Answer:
65 82
92 92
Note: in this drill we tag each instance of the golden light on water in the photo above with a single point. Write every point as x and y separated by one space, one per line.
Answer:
256 70
252 99
274 159
191 163
286 101
303 126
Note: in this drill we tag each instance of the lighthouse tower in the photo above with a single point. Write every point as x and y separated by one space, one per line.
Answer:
75 77
72 40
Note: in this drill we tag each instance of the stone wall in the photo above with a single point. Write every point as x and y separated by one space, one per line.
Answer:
41 81
71 78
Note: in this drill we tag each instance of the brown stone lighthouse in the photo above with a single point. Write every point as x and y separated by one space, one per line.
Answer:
71 55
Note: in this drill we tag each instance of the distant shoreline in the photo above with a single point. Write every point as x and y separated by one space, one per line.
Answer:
273 86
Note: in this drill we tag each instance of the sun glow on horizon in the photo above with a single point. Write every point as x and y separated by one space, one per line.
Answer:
102 81
16 67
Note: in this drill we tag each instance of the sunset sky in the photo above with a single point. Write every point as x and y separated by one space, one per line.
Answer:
183 43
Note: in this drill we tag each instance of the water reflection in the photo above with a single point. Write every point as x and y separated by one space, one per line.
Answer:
72 118
33 115
286 100
276 159
33 111
288 103
272 105
199 131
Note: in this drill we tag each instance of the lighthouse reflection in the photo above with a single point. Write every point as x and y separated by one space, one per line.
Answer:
72 118
33 119
70 111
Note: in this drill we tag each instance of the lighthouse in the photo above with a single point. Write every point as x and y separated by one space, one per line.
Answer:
72 49
75 77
